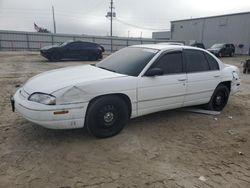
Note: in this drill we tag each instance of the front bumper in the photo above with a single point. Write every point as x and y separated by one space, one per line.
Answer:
216 53
44 54
48 116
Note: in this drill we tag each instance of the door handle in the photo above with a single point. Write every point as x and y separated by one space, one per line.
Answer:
183 79
216 76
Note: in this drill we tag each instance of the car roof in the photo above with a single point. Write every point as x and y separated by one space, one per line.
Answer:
165 47
81 41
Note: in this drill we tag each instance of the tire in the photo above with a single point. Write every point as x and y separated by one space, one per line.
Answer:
232 54
92 57
55 57
106 116
244 71
219 98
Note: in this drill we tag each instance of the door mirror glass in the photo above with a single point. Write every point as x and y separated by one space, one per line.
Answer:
154 72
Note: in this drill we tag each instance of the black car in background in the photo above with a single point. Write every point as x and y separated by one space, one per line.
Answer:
221 50
198 45
73 50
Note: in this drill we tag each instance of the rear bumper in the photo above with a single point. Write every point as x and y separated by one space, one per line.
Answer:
235 87
45 116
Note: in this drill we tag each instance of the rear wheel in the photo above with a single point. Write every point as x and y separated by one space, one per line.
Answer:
92 57
219 98
232 54
106 116
244 70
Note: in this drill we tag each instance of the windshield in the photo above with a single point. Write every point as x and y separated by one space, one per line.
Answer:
129 61
217 46
65 43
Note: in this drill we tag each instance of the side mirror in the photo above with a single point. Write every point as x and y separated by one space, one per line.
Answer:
154 72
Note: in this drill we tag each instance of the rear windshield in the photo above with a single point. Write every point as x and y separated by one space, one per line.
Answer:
217 46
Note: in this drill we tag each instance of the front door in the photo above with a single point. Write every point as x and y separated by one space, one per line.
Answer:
157 93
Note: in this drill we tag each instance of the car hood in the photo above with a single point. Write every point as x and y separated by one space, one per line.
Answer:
213 49
49 47
51 81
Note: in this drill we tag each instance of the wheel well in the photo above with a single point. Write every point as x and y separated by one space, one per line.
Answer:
227 84
121 95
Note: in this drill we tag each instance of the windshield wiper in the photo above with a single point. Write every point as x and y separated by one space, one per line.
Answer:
106 69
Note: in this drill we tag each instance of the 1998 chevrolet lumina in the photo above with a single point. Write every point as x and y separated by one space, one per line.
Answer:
132 82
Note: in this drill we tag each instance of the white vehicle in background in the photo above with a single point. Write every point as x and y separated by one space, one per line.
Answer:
132 82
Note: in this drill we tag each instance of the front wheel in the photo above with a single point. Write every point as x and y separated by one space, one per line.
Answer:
219 98
55 57
106 116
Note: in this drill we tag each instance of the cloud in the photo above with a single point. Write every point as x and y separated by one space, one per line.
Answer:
88 16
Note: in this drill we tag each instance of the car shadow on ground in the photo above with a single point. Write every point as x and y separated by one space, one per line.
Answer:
166 119
69 60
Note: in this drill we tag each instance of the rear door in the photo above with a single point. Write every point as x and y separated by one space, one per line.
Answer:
163 92
203 76
91 50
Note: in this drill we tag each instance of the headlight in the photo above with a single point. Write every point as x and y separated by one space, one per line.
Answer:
43 98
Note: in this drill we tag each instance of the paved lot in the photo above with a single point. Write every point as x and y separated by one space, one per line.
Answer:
166 149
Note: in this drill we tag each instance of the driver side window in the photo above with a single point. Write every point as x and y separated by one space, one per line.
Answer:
170 63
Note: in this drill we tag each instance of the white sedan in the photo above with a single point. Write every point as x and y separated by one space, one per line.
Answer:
132 82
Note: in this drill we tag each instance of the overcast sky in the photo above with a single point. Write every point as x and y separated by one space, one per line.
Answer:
88 16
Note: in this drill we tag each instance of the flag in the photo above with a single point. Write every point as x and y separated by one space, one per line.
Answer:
40 29
36 27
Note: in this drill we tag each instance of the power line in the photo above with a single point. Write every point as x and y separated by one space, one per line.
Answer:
141 27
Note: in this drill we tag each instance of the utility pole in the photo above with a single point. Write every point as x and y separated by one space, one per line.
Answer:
111 25
54 21
111 15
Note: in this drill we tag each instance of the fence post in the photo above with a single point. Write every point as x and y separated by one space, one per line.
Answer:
52 39
127 42
27 40
12 46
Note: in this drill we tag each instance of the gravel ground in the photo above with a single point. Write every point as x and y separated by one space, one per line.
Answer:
166 149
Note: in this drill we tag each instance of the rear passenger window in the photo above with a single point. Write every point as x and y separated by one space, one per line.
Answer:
196 61
212 62
170 63
89 45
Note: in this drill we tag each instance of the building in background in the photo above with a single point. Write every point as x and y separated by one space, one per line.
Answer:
231 28
163 35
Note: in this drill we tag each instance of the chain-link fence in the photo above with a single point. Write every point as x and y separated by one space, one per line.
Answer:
31 41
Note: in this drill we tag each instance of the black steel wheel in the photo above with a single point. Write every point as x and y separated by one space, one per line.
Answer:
244 70
219 98
106 116
92 56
